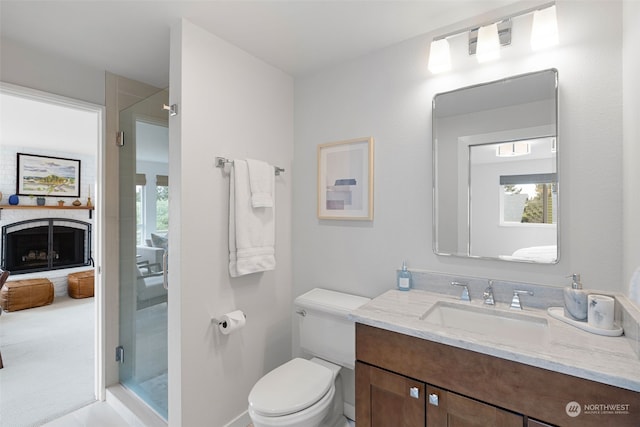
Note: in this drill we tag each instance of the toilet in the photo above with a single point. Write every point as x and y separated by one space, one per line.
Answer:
308 393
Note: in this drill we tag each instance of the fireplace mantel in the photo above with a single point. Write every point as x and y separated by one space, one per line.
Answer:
87 208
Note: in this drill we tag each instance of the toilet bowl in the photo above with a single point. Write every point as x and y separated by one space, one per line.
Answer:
300 393
308 393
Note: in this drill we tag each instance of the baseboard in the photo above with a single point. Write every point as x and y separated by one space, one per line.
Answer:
132 409
242 420
350 411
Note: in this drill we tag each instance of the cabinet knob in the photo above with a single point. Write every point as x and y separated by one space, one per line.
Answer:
433 399
414 392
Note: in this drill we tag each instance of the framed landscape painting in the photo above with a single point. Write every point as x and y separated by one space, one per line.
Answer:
345 179
47 176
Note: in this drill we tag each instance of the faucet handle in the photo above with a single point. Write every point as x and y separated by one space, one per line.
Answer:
515 302
465 291
488 294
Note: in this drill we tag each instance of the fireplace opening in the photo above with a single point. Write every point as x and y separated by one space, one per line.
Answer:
45 244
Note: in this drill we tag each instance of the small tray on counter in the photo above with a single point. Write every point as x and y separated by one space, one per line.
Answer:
558 313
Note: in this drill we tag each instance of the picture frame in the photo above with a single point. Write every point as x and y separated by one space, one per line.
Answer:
47 176
345 179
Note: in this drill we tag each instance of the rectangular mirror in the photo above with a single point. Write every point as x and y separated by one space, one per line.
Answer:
495 170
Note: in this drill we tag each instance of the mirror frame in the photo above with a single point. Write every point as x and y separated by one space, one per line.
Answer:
434 153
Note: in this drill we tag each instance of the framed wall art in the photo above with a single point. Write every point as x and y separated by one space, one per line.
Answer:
47 176
345 179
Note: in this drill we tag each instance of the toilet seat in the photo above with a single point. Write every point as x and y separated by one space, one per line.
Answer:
290 388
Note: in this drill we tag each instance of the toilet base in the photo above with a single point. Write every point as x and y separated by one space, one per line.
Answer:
336 421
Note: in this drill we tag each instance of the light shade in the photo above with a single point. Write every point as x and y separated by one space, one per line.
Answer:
488 43
511 149
544 32
439 56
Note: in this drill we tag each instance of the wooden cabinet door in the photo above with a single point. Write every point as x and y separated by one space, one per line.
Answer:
447 409
385 399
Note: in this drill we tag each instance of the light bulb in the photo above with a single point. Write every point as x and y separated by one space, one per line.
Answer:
439 56
544 32
488 47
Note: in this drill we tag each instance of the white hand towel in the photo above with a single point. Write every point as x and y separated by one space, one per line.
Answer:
261 180
251 231
634 287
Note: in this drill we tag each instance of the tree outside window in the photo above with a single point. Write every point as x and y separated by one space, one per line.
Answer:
162 207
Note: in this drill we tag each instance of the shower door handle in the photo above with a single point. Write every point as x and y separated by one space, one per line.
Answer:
165 273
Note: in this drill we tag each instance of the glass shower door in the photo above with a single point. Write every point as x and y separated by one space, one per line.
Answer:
144 222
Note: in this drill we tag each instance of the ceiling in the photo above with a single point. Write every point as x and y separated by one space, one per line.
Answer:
131 39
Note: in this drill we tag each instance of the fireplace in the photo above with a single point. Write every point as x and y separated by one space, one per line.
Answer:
45 244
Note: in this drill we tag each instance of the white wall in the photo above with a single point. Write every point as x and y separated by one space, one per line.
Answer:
235 106
388 94
631 147
25 66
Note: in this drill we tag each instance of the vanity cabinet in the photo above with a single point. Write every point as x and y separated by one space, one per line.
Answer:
447 409
395 400
472 389
534 423
392 399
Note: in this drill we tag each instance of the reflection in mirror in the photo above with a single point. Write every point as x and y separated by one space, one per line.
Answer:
495 170
515 216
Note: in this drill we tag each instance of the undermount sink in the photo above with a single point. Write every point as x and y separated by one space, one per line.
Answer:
487 321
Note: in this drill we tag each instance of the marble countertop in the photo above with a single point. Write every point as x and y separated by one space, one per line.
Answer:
562 348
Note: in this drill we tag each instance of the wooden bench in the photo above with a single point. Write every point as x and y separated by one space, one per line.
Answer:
81 284
23 294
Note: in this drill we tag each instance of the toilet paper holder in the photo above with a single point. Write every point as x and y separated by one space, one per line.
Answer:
222 322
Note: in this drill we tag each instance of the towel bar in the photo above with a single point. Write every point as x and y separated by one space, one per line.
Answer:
221 161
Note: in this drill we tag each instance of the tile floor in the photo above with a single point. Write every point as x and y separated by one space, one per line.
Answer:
98 414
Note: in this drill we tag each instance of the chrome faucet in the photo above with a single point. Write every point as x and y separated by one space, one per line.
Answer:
515 302
488 294
465 291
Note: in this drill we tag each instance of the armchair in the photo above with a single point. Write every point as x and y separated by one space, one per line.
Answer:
149 286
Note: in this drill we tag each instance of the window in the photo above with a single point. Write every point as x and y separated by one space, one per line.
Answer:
141 207
529 199
162 203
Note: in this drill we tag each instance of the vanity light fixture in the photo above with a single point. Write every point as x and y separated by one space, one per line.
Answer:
439 56
512 149
488 48
485 40
544 32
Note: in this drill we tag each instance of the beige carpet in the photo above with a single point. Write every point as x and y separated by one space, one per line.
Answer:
48 355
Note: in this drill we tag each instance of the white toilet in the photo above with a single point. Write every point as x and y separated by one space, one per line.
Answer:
308 393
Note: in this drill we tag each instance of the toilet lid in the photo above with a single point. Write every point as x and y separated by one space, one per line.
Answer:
290 388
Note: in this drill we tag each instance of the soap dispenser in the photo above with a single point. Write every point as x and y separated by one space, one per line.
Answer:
575 300
404 278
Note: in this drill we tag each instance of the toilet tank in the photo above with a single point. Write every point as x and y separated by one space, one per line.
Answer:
324 328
